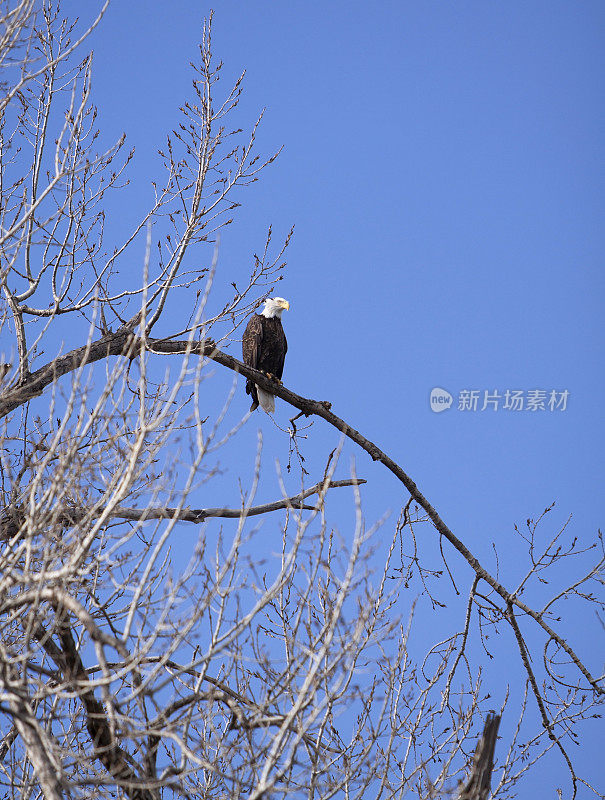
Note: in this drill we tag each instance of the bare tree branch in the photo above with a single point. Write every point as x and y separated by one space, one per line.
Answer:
72 515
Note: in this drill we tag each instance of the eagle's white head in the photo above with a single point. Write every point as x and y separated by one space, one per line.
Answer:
274 307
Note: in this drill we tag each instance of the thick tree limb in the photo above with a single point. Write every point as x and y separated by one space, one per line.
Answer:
479 783
36 740
7 742
115 760
120 343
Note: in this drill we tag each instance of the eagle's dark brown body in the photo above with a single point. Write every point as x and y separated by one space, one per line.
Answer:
264 348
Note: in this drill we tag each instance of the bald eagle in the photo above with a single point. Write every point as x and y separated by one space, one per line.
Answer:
264 348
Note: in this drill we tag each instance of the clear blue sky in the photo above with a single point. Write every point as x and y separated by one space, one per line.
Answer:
443 165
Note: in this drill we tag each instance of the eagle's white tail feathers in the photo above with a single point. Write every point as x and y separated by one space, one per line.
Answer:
266 400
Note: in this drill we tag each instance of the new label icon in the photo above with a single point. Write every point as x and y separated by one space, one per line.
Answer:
441 399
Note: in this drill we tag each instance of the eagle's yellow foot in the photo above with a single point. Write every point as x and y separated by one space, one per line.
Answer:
273 378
